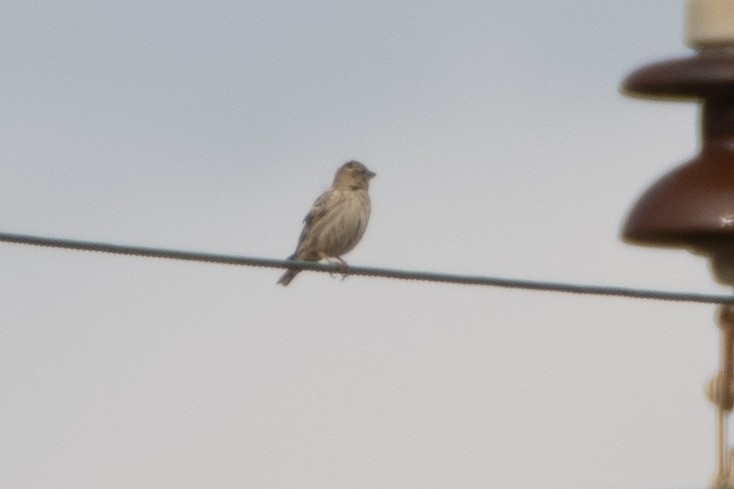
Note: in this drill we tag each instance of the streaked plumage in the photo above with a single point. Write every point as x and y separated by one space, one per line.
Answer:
337 220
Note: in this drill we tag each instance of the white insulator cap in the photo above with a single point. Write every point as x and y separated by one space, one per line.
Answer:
710 22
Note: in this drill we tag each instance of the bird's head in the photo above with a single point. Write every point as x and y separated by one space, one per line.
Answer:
353 175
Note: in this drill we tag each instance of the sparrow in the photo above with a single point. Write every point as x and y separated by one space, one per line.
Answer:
337 220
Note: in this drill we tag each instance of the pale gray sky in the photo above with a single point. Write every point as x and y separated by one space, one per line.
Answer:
502 147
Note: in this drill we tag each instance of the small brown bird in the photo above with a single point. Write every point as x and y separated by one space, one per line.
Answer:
337 220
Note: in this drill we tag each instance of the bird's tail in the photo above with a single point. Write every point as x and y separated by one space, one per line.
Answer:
287 277
290 274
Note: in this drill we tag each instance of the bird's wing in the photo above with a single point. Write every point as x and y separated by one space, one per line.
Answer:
319 208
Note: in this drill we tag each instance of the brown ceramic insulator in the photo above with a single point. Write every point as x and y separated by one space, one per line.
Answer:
692 206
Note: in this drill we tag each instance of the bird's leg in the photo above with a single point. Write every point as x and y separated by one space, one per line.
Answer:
329 260
344 267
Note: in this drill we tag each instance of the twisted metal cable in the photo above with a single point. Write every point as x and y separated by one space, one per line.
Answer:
365 271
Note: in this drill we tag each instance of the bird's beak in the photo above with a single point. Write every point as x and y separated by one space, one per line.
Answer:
371 174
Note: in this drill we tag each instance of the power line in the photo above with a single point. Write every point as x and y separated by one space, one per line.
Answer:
170 254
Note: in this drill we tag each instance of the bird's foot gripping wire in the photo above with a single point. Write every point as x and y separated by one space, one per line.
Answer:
343 266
